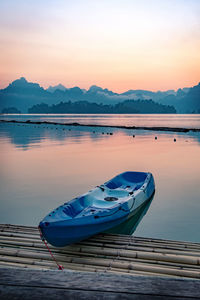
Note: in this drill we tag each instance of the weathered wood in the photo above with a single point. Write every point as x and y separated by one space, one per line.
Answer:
31 284
28 293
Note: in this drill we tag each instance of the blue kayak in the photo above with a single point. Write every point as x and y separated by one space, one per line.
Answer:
101 209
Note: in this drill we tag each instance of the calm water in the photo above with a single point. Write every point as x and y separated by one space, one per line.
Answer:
167 120
44 166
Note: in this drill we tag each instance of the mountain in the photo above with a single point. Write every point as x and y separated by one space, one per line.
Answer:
23 86
59 87
186 100
11 110
22 95
190 102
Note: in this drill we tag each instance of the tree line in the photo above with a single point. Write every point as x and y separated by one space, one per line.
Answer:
126 107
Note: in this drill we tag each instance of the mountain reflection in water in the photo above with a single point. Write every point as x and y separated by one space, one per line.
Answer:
26 136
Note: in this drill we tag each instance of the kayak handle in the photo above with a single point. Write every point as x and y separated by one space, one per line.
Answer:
98 186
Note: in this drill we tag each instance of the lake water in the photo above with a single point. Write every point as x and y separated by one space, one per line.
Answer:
165 120
43 166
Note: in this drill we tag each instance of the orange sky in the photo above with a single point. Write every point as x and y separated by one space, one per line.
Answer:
120 45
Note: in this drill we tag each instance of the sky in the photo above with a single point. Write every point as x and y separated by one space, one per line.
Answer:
119 45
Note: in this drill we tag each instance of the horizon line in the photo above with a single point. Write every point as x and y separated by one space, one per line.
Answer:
82 88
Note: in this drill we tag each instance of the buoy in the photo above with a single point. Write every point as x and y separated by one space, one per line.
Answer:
102 132
133 135
174 140
155 137
111 133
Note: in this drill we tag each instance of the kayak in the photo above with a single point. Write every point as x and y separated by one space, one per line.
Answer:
100 209
130 225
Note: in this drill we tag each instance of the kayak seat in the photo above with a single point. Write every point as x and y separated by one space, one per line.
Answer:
86 201
127 180
113 185
138 186
103 204
133 177
73 208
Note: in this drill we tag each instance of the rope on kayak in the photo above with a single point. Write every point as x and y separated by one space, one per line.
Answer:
60 267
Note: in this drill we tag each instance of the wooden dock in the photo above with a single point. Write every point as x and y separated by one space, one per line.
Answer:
118 262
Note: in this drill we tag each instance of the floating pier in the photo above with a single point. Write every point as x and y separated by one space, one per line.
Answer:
125 261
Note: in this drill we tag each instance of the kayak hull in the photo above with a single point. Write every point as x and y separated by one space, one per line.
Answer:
99 210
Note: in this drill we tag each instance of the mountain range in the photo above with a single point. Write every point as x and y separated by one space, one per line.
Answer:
23 95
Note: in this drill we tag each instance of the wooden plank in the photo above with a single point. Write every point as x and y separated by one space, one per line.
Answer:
28 293
27 284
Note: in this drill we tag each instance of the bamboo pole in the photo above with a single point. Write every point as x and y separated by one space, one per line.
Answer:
20 265
140 254
102 251
135 244
136 239
20 241
100 265
149 248
131 241
108 236
116 264
128 247
120 239
164 265
80 268
110 252
114 253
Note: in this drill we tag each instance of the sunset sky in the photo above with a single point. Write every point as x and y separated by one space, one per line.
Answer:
119 45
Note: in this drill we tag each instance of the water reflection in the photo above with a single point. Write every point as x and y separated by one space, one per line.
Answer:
128 227
26 136
59 165
30 135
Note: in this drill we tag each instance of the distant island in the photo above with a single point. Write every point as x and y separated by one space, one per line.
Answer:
84 107
27 97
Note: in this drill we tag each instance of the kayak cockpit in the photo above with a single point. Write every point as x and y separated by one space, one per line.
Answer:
127 180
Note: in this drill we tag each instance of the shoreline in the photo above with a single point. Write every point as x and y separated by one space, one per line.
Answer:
154 128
